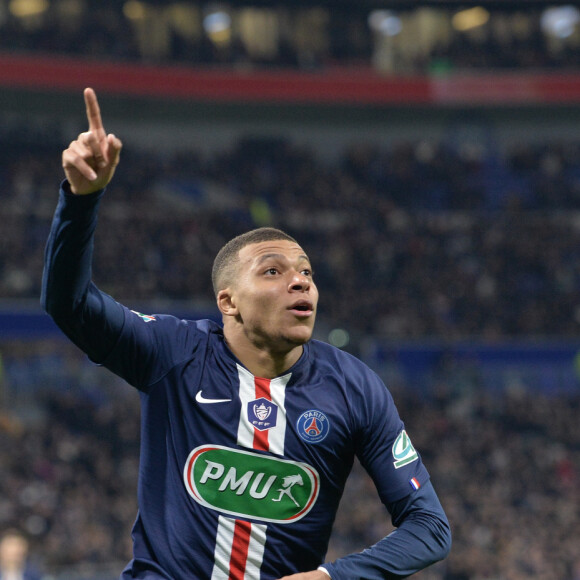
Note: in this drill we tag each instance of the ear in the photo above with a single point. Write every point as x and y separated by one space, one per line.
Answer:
226 302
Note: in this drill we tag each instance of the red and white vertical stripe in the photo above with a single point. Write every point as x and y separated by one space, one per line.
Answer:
252 388
240 545
239 550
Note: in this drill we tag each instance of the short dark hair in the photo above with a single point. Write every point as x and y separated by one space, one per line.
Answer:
226 260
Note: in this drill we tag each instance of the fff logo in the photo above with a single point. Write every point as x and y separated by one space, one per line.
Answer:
262 414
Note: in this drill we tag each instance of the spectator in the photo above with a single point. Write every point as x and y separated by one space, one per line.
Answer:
14 557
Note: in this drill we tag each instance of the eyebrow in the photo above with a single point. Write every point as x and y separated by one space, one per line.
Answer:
280 256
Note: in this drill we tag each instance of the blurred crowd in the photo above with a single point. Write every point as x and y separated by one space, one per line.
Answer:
69 454
411 240
506 467
415 239
308 37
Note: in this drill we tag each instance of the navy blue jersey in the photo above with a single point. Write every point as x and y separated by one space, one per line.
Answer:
257 465
240 476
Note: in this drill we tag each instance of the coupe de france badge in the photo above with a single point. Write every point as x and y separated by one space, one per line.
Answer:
313 426
262 414
403 450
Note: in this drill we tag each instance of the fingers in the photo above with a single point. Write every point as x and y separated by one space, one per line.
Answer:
79 157
114 150
94 113
94 148
87 154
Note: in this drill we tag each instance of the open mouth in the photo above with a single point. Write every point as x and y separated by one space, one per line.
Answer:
302 306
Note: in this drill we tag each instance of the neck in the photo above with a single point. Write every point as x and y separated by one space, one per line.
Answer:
264 362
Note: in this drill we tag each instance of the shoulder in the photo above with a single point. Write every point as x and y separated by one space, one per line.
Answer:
358 381
157 322
365 395
340 362
167 331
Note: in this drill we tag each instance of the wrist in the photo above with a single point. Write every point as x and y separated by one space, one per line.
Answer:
67 190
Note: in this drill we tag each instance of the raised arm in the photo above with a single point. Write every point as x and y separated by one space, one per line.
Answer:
90 318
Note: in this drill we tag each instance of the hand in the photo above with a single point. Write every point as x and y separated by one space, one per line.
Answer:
314 575
89 162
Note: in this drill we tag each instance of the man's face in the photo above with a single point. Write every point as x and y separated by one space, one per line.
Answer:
13 551
275 295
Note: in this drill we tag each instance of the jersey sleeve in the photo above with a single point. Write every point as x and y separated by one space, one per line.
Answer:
385 450
89 317
122 340
384 447
422 538
148 346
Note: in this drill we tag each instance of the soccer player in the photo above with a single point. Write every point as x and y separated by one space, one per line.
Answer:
249 430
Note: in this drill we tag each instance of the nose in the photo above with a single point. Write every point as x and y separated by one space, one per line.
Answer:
299 282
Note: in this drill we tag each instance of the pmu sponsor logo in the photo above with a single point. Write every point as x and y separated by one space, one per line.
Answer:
241 483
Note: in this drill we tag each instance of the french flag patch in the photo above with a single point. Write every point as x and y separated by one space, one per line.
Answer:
414 483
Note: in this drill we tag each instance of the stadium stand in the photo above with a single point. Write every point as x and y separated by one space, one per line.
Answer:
453 267
498 267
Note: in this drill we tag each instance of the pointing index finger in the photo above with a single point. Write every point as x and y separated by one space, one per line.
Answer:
93 112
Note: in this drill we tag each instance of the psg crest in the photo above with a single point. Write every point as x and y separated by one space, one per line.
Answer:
262 414
313 426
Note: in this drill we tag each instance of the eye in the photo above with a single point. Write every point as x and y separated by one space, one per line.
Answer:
306 272
271 271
